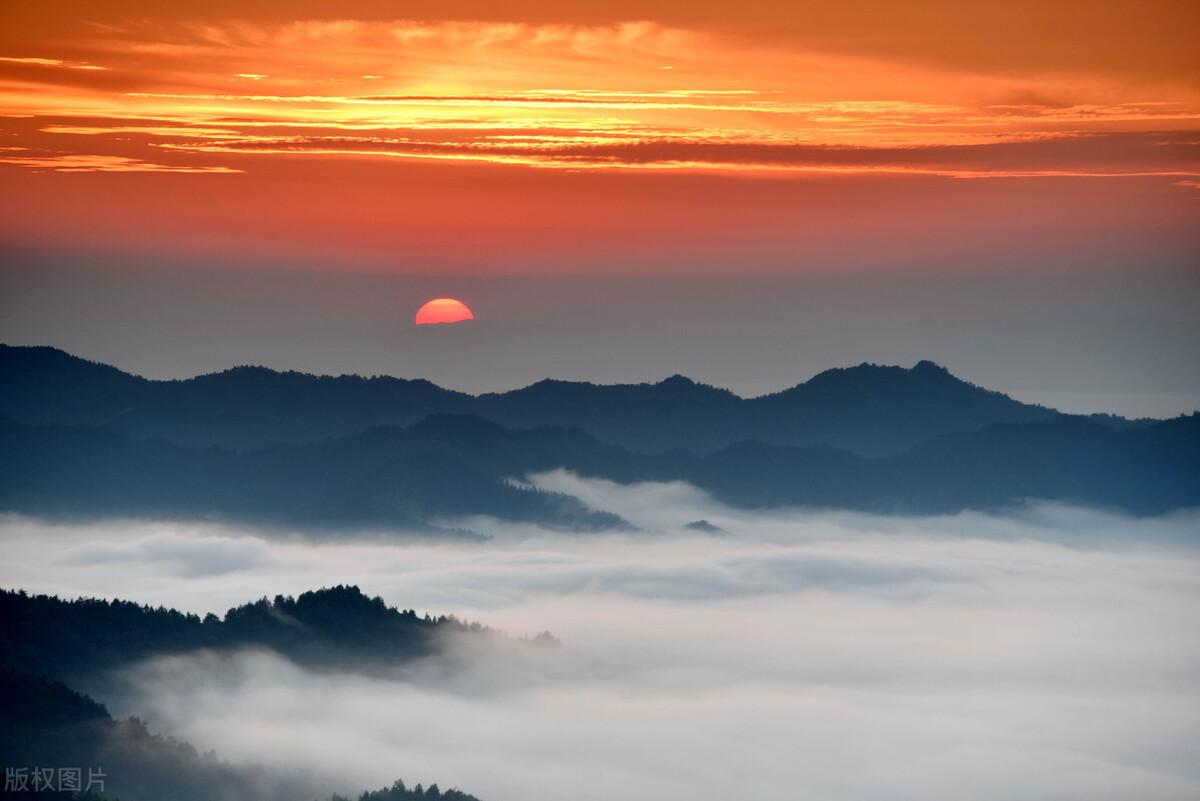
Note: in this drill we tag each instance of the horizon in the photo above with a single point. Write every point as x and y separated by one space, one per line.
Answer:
1110 344
554 380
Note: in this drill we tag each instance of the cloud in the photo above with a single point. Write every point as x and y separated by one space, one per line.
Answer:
1048 654
184 556
592 96
80 162
49 62
1149 40
1111 155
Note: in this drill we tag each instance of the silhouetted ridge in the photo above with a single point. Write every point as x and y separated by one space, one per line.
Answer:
930 368
882 410
45 723
868 437
400 792
42 384
43 635
869 409
40 703
449 466
459 425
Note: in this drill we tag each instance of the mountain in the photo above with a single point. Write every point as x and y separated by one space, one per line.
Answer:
238 408
879 410
337 626
448 466
1141 470
48 726
386 478
44 640
871 410
675 413
45 723
255 446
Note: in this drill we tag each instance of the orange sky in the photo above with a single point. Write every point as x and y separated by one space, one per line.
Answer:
384 135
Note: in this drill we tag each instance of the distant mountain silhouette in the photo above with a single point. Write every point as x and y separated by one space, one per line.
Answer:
382 478
238 408
456 465
880 410
869 409
253 445
675 413
1142 470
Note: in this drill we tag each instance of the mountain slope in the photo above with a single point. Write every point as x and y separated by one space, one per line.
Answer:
384 478
674 413
880 410
871 410
1145 470
44 640
451 466
237 408
47 723
336 626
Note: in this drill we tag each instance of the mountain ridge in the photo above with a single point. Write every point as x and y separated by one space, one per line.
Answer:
252 445
868 409
451 466
91 642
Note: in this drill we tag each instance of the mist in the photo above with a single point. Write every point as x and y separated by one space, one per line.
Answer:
1047 653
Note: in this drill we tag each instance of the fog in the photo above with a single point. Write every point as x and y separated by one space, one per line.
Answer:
1048 653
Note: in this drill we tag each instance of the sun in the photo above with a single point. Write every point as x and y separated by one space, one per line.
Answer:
443 310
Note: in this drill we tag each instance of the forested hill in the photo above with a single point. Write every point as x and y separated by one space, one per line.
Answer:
454 466
46 723
334 627
318 453
869 409
45 641
380 479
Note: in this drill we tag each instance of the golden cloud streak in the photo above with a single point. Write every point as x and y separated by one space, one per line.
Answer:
632 96
97 163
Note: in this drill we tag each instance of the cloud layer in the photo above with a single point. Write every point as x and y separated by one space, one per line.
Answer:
1047 655
204 96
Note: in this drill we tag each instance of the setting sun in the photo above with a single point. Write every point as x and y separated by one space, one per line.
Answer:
443 310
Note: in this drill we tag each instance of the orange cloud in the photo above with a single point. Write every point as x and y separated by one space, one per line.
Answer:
340 96
589 96
93 163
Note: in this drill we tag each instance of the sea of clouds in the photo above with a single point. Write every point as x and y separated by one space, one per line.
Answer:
1049 653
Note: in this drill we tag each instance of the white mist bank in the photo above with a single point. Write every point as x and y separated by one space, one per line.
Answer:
1051 654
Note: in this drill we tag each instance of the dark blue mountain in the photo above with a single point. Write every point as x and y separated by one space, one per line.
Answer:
1142 470
880 410
450 466
44 640
237 408
332 627
385 478
869 409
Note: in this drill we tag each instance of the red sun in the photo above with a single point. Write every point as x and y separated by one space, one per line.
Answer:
443 310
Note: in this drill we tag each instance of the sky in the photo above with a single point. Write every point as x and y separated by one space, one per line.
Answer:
1047 653
748 193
